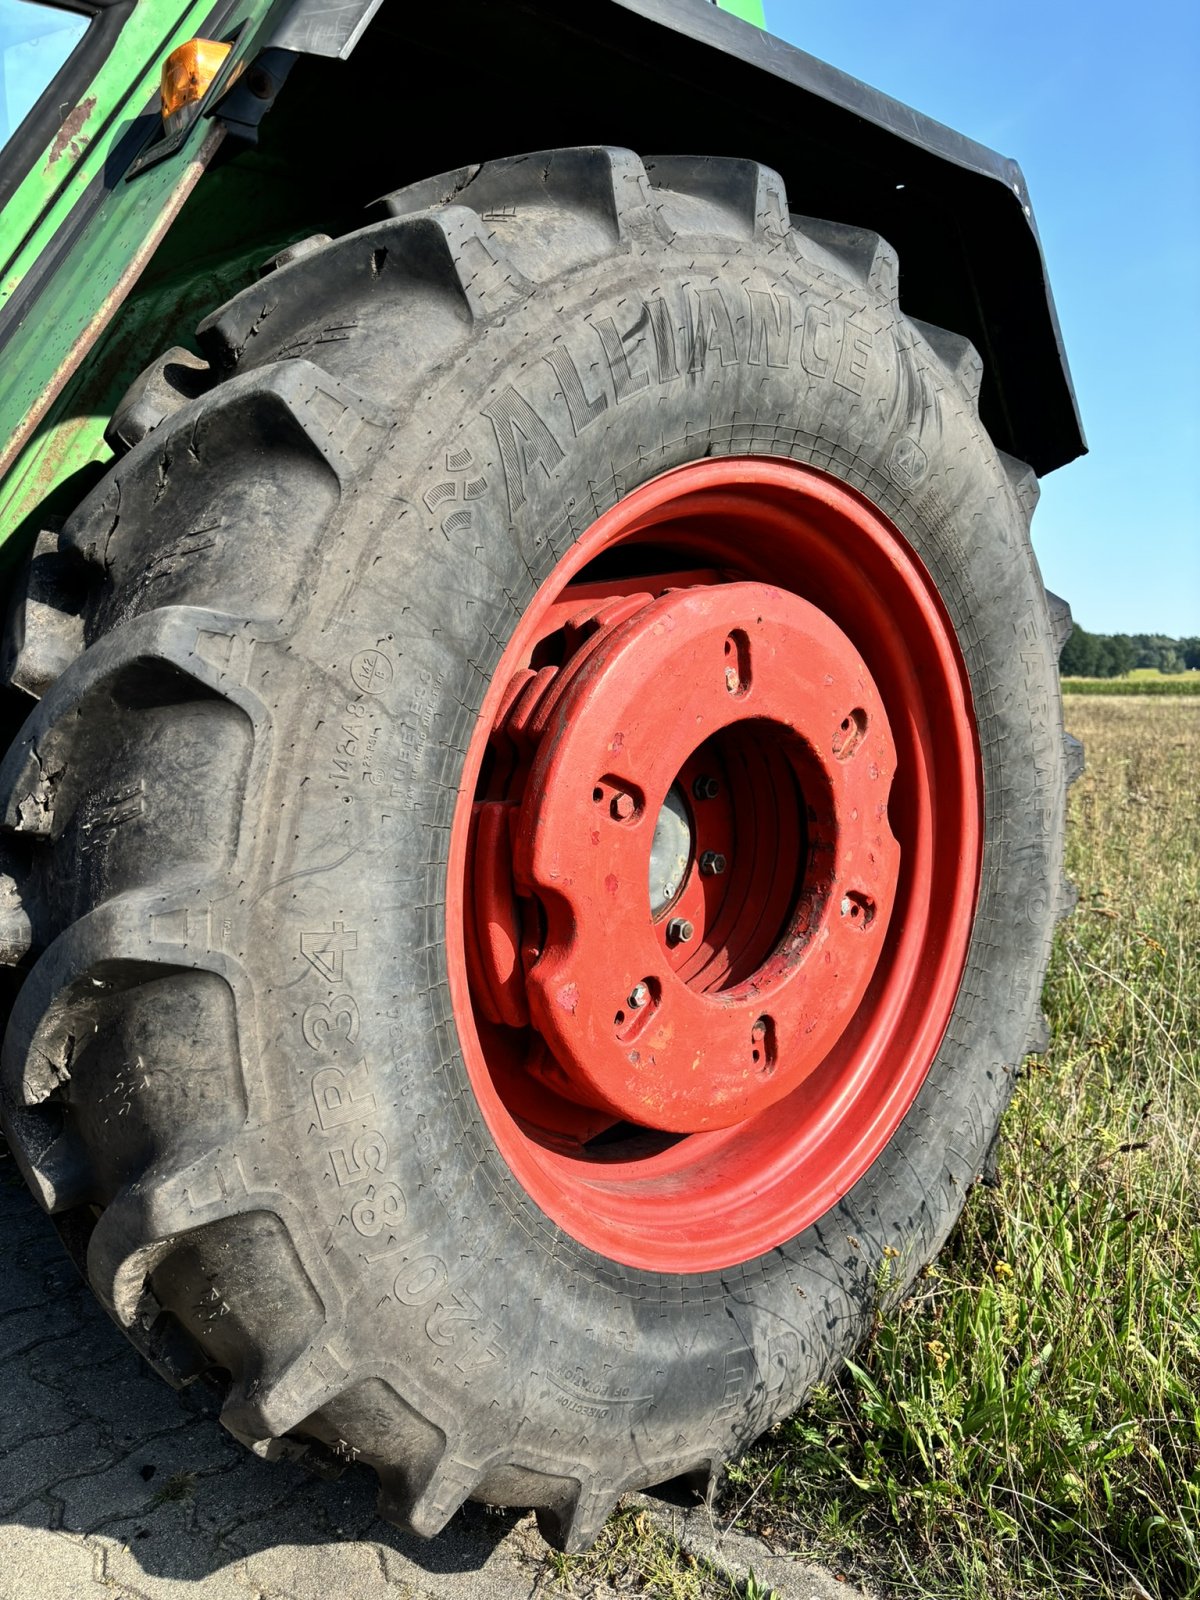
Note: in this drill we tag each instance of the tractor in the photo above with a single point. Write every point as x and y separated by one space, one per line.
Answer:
532 822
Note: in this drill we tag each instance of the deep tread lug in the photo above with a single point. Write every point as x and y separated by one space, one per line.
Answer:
142 1225
294 252
173 636
431 194
343 426
425 1502
955 353
16 929
989 1170
1039 1037
163 388
45 631
119 1258
163 527
450 252
282 1400
113 938
327 415
577 1525
1073 757
868 257
606 185
1028 491
1062 624
753 197
55 1009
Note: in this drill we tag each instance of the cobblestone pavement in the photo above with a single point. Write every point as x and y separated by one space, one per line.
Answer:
113 1486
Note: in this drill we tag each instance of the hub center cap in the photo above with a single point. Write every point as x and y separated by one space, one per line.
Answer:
700 1018
670 850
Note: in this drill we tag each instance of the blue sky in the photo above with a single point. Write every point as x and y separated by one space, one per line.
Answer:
1100 104
34 43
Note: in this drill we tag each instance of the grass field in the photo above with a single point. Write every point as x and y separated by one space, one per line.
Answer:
1028 1421
1142 680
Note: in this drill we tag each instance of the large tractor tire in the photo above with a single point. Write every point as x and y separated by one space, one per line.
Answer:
541 835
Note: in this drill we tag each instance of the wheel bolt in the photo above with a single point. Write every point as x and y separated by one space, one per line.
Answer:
680 931
706 787
712 863
638 997
622 807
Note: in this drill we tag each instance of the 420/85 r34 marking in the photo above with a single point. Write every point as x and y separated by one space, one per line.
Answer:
715 863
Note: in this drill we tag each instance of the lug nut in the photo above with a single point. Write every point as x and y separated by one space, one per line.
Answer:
680 931
622 807
638 997
712 863
706 787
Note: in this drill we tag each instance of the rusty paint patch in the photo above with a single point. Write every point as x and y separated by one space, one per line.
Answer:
70 131
11 448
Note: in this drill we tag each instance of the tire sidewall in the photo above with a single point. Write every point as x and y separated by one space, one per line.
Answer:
456 1289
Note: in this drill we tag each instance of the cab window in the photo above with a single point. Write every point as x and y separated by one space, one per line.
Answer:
35 41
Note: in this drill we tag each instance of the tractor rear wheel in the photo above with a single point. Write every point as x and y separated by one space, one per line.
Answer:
541 834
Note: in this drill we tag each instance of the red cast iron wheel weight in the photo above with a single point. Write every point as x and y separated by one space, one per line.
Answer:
714 864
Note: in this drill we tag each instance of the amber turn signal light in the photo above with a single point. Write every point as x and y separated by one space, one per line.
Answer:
186 75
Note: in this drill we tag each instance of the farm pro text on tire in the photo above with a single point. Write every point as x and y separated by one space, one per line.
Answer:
541 835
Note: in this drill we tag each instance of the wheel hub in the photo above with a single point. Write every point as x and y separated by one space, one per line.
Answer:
830 856
687 871
671 850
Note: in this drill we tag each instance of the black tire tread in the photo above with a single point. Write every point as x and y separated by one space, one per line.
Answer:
454 252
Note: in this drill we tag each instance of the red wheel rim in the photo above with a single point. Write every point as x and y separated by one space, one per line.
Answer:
714 864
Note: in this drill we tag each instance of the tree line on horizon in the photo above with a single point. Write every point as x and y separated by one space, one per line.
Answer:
1111 655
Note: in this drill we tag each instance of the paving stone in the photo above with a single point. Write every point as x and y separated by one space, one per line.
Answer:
244 1493
29 1409
28 1282
128 1399
121 1488
40 1465
173 1562
316 1571
38 1562
113 1486
30 1326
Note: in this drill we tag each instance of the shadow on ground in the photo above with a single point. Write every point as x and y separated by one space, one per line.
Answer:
111 1484
147 1493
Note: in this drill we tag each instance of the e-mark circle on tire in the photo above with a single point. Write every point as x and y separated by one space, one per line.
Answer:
544 847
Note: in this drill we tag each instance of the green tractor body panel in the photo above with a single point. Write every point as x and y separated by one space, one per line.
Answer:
115 240
74 239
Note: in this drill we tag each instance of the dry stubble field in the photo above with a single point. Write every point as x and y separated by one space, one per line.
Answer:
1027 1422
